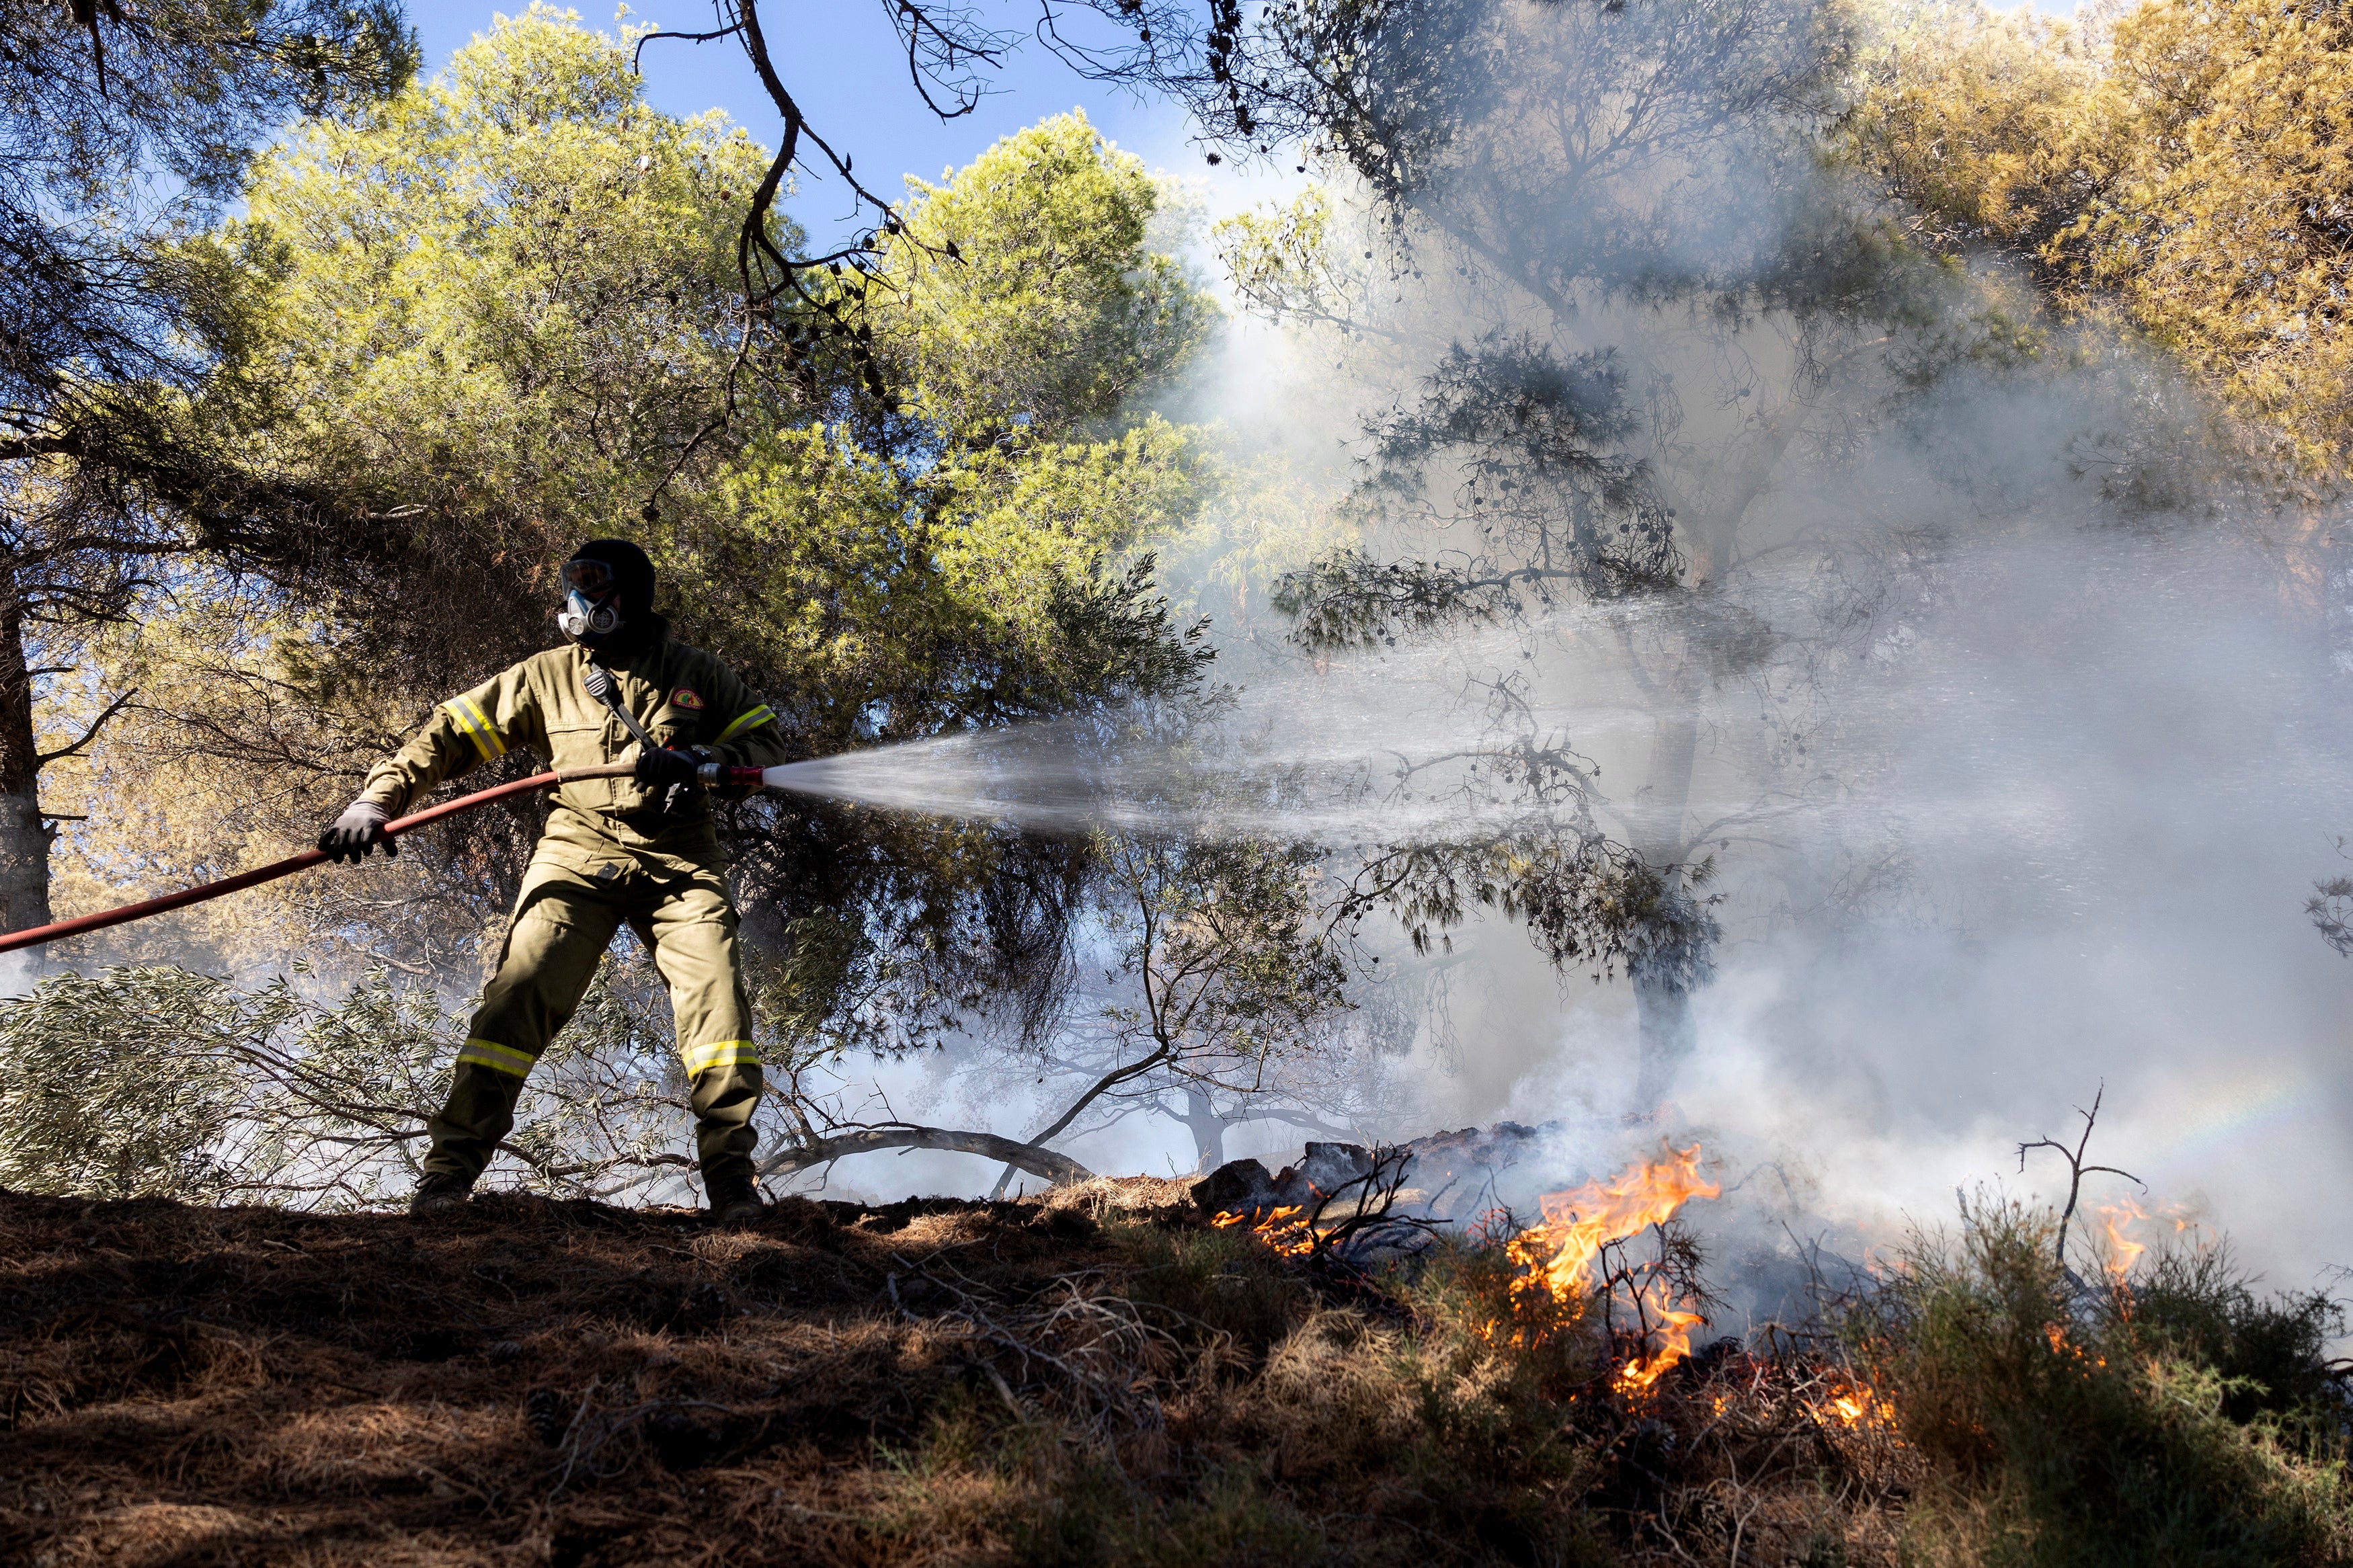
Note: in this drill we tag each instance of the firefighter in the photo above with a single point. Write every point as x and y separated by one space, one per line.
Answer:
641 850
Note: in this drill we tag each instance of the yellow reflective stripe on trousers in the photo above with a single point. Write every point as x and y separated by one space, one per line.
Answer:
746 724
498 1058
478 727
700 1059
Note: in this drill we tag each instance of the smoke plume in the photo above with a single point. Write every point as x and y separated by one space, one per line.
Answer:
2011 708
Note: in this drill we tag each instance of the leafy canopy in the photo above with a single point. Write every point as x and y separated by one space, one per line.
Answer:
2189 164
94 100
499 309
1057 314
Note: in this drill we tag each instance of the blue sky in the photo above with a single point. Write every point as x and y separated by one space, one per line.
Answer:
842 63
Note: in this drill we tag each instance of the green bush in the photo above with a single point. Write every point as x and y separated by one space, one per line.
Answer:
2272 1352
157 1081
153 1081
2062 1427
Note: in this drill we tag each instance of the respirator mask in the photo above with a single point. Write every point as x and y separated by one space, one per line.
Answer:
592 609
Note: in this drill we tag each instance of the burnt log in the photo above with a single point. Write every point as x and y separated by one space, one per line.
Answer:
1237 1186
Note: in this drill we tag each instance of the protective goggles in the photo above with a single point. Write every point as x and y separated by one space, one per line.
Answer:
592 580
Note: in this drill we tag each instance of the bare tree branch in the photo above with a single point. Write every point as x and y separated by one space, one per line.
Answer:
2076 1169
636 55
828 1147
43 759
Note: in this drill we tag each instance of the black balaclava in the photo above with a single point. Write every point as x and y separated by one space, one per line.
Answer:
598 604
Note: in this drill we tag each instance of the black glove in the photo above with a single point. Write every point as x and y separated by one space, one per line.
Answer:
360 829
667 769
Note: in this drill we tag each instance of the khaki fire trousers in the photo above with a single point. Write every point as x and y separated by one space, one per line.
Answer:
563 921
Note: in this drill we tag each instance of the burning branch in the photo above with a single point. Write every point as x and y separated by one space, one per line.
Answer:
1329 1231
1651 1290
1571 1258
1584 1228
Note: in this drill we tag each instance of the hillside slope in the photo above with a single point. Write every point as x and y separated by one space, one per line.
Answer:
1099 1377
524 1382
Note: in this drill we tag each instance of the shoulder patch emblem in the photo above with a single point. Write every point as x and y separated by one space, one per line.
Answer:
687 697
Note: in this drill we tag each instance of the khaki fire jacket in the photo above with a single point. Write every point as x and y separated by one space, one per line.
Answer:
598 827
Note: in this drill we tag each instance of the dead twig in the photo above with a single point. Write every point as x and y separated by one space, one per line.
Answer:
1085 1350
2076 1169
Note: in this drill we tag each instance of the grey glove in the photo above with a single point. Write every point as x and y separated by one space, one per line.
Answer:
359 830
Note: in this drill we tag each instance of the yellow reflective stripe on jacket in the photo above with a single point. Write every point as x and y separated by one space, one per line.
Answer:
498 1058
746 724
700 1059
478 727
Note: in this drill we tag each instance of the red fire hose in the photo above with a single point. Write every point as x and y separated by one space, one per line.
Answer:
308 857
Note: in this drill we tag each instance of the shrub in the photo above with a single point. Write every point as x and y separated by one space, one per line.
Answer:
2062 1426
156 1081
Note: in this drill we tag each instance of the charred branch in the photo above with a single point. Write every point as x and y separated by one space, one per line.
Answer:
807 1153
2077 1168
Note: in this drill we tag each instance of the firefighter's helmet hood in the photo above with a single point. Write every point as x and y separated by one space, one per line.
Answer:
608 584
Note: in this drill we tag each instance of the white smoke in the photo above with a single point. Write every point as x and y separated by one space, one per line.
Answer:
2024 807
2052 830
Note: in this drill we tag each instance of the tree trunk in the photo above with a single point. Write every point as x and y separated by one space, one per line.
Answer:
1666 1035
1663 1027
24 841
1663 1030
1208 1130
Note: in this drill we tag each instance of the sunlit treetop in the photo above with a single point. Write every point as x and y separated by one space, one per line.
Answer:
1052 313
2190 163
144 115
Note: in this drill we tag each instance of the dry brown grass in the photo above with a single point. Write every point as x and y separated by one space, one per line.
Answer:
524 1382
1091 1377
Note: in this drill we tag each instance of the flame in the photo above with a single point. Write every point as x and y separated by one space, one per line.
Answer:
2122 1250
1578 1224
1557 1258
1856 1406
1674 1336
1281 1228
2086 1362
2118 1218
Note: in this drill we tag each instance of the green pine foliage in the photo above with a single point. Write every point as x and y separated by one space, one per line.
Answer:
501 313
